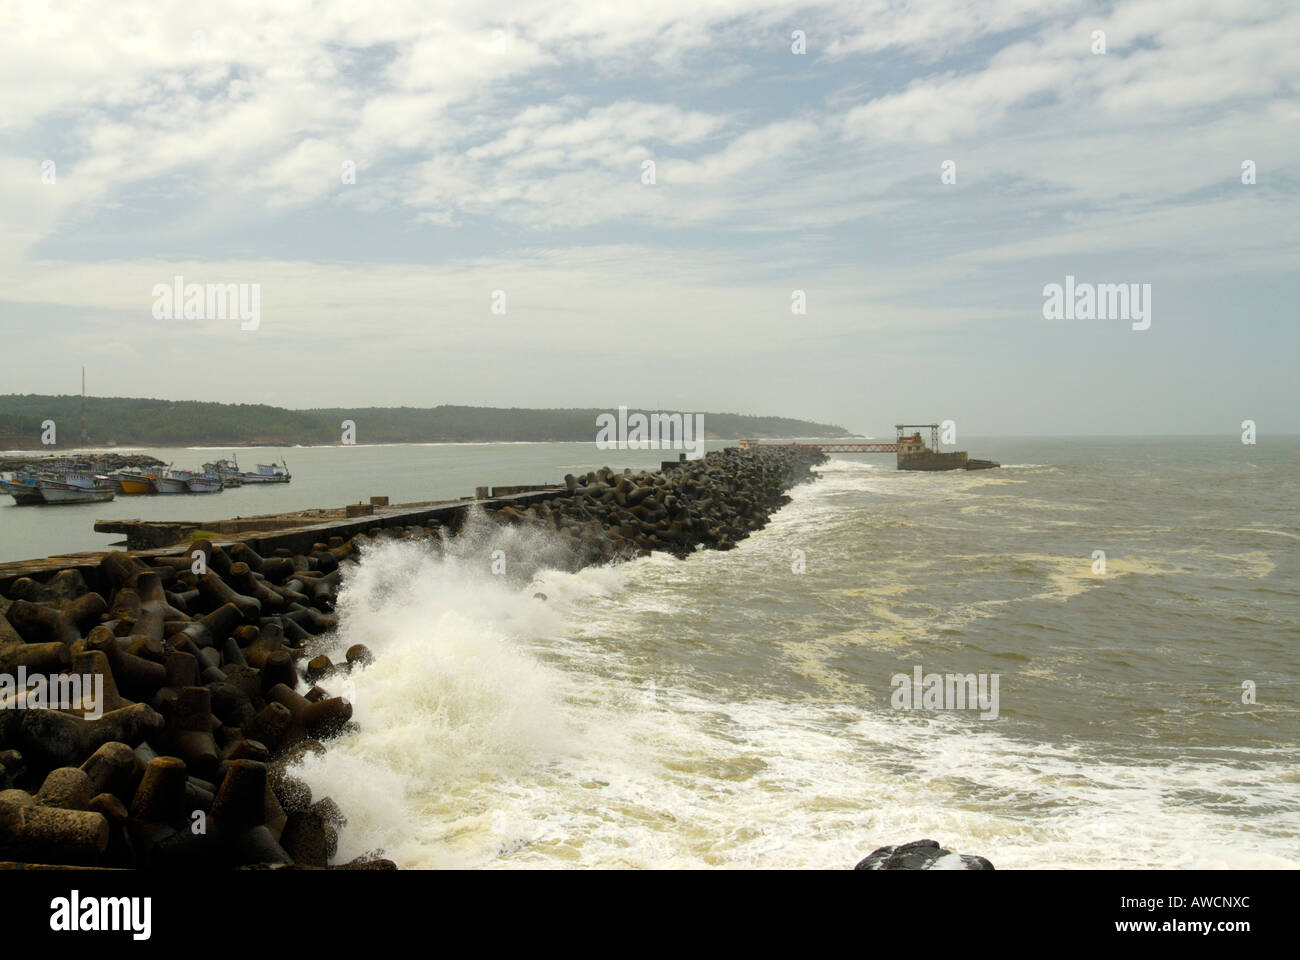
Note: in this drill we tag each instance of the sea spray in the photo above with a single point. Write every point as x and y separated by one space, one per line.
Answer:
473 750
450 695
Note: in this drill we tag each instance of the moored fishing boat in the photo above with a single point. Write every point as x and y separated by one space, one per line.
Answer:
203 483
57 491
22 487
227 470
269 473
164 482
82 477
131 484
194 482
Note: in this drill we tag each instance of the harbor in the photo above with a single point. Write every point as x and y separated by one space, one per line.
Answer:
324 478
65 480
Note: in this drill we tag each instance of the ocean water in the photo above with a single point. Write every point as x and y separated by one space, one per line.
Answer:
727 711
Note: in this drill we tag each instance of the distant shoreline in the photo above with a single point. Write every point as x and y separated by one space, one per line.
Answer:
44 452
16 453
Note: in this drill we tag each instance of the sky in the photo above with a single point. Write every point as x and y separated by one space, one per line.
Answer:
574 203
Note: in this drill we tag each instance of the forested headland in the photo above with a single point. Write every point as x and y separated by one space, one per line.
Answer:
119 421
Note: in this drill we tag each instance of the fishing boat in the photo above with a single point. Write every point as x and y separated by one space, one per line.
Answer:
130 484
81 476
227 470
193 482
269 473
22 487
57 491
203 483
164 482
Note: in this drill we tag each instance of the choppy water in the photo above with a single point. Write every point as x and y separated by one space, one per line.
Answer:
726 711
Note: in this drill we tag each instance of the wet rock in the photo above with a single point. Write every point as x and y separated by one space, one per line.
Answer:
921 855
359 655
66 788
33 832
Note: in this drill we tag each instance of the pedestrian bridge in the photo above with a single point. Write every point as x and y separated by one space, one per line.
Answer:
838 446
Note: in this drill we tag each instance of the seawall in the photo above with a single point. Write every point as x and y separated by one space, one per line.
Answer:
208 656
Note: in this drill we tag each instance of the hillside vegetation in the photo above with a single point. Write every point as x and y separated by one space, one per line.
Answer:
141 422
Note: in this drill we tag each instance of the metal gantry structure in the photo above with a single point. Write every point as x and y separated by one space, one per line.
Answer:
932 427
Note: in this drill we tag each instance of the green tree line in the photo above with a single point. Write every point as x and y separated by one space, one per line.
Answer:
145 422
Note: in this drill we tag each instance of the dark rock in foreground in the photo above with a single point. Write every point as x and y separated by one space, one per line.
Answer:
921 855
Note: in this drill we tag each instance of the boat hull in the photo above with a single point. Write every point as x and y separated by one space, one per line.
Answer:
269 473
67 493
24 494
139 483
170 485
132 488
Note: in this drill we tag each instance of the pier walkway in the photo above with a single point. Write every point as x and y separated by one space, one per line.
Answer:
267 536
828 446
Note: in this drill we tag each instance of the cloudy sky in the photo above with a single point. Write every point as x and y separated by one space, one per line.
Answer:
504 147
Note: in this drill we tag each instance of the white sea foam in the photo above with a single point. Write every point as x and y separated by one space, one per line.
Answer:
498 729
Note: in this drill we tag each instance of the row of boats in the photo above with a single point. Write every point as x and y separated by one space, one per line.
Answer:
79 483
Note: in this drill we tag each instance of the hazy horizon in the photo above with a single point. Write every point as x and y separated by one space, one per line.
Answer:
877 431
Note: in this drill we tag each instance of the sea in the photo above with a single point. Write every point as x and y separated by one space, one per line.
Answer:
1136 599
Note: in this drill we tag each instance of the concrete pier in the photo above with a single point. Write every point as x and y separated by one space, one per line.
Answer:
293 532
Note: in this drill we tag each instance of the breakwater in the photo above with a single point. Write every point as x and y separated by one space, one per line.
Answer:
99 462
209 677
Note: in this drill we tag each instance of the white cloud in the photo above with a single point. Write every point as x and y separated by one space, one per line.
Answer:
541 130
